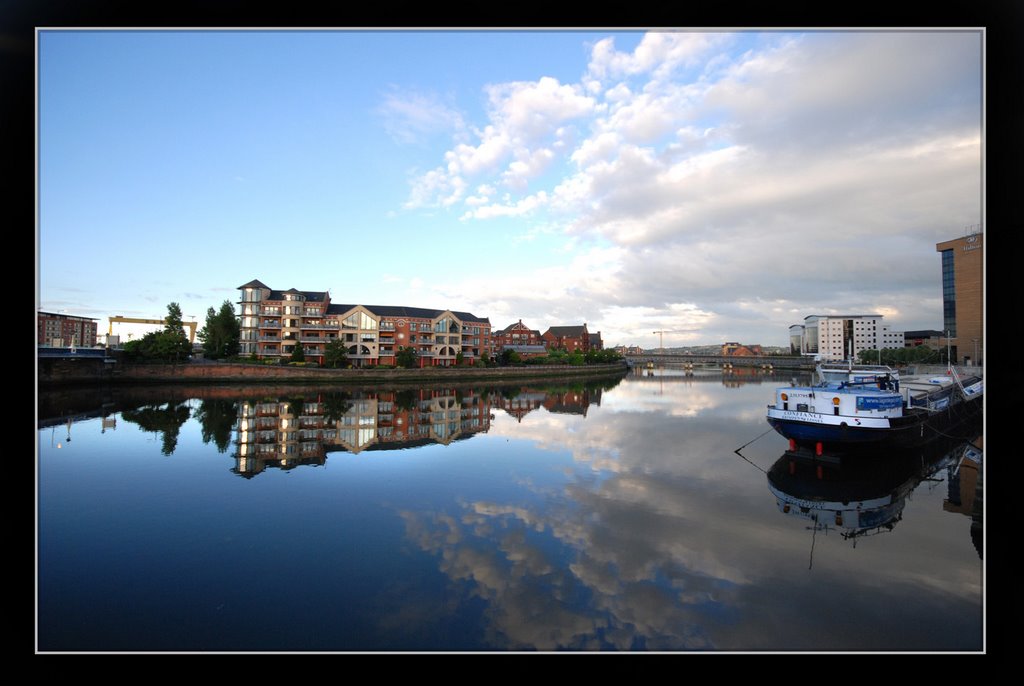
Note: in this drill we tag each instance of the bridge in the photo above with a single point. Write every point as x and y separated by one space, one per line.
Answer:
657 359
135 320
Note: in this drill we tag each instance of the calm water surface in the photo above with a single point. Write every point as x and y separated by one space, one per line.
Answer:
609 516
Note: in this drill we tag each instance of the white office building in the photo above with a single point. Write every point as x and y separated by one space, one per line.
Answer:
839 337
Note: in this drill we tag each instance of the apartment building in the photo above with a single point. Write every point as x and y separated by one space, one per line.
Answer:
569 338
274 322
515 335
64 331
839 337
963 306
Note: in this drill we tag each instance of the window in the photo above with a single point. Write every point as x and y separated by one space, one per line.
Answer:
359 320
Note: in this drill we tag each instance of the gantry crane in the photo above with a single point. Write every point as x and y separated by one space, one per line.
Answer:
132 320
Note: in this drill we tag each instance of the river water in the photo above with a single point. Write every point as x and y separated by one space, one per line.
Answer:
646 513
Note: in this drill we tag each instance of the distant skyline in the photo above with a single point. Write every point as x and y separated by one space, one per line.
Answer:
718 186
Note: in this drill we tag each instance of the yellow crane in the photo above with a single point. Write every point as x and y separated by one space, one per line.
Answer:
133 320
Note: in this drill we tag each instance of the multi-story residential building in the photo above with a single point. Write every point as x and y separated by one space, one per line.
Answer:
839 337
63 330
963 309
274 322
515 335
595 342
520 339
568 338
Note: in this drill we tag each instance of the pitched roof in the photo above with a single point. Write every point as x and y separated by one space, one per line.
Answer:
405 311
255 283
567 331
520 326
310 296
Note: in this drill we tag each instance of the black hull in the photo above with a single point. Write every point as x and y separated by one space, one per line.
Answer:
915 429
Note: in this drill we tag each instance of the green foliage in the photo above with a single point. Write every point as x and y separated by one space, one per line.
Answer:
335 354
897 356
336 405
405 399
406 357
509 357
602 356
220 336
298 354
556 356
169 345
217 418
172 322
164 419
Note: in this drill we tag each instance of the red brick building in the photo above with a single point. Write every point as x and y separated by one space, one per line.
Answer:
738 350
569 338
517 334
63 330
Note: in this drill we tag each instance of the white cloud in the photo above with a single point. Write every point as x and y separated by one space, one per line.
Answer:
409 117
658 53
531 111
749 190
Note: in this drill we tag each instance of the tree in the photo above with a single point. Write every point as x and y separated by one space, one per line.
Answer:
298 354
335 354
175 345
508 357
220 336
169 345
406 357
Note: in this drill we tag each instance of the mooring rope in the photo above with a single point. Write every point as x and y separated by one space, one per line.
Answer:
737 451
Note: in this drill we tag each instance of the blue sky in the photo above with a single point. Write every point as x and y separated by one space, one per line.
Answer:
718 185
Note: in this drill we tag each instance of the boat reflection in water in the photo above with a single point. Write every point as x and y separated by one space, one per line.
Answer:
864 495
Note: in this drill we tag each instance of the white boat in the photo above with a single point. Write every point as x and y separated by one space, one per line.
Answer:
852 406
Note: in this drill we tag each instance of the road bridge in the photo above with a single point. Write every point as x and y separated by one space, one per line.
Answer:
682 359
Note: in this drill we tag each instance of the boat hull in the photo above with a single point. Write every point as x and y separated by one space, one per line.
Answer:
918 427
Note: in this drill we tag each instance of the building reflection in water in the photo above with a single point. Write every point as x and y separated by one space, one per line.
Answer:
288 432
